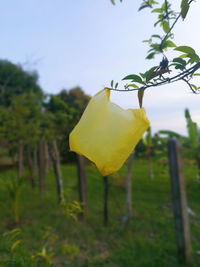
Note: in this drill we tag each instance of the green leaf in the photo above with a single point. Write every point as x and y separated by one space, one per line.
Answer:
184 8
165 26
160 20
150 56
194 86
157 10
142 75
140 96
134 78
185 49
190 52
111 84
180 61
15 244
179 67
154 47
193 58
146 41
116 85
156 36
164 6
170 133
170 44
133 85
145 5
183 56
148 74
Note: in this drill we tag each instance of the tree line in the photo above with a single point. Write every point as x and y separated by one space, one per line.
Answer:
34 126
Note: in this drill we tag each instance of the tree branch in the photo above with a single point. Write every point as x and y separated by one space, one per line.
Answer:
178 77
189 85
181 76
174 23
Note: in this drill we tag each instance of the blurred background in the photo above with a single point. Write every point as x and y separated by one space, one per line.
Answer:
89 43
56 209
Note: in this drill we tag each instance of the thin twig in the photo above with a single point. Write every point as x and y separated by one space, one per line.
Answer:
189 85
166 10
171 28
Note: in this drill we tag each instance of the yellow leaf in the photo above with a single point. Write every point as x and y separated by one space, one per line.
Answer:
15 245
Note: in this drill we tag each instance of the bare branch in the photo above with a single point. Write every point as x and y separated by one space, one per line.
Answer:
189 85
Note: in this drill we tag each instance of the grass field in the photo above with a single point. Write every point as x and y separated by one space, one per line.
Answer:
49 237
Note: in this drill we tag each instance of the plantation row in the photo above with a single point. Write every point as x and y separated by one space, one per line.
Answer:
37 193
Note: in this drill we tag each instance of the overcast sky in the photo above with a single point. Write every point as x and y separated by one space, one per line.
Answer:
89 43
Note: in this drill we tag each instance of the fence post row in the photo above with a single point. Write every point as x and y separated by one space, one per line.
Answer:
179 202
82 184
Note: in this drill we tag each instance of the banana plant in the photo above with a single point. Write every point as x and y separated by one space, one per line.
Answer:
13 188
171 134
193 142
161 139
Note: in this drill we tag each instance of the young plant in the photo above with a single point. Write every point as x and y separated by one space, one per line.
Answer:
14 187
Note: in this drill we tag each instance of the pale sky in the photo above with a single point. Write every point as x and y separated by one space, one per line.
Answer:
89 43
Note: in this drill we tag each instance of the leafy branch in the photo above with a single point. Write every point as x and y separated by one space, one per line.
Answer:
181 76
158 44
184 10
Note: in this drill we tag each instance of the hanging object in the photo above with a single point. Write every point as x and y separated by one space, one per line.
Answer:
107 134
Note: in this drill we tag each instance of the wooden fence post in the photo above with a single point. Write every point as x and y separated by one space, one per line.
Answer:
129 186
55 158
41 165
30 165
129 207
82 184
20 159
105 204
179 201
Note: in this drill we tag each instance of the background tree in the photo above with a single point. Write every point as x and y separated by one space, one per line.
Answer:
77 100
20 123
20 107
56 118
193 140
16 81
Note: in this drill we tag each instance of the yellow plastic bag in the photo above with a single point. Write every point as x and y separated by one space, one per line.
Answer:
107 134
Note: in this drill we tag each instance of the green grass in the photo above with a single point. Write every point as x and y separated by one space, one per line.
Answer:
147 240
